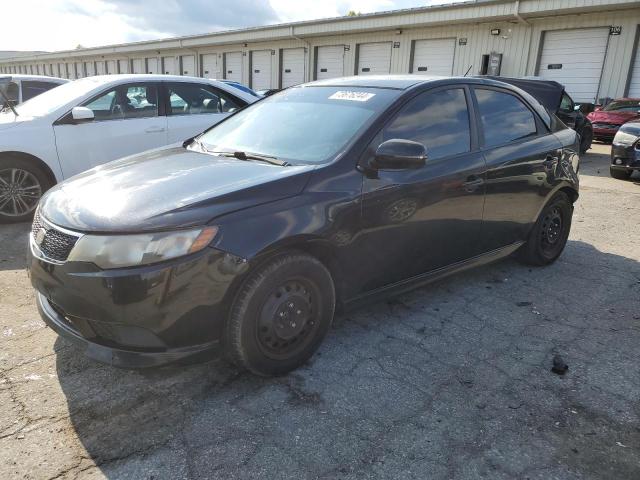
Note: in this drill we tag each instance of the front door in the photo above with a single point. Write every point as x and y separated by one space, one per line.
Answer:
420 220
126 122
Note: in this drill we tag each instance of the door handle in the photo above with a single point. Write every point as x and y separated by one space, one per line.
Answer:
154 130
472 183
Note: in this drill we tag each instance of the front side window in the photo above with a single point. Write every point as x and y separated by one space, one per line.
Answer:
192 98
504 117
566 104
32 89
438 120
125 102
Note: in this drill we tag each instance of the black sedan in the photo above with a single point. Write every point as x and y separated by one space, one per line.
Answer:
625 151
250 236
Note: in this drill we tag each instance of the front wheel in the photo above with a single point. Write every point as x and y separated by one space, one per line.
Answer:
550 233
280 315
22 184
585 140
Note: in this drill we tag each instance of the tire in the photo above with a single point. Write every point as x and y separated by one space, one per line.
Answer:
22 184
280 315
620 174
585 140
550 233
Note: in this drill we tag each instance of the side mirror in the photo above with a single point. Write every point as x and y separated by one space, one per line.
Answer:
396 154
82 114
576 108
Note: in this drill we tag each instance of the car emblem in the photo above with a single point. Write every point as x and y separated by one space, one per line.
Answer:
40 236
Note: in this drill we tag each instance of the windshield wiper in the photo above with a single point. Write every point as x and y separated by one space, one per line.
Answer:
7 103
248 156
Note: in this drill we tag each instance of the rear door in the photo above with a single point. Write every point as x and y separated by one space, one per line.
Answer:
430 217
194 107
521 155
127 120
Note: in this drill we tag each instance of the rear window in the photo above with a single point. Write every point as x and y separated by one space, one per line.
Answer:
32 89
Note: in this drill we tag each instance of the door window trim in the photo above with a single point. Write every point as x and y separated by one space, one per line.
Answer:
541 127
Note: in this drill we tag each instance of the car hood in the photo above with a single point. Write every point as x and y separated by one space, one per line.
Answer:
611 117
165 189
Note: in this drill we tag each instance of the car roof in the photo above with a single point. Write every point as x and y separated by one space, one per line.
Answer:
17 76
399 82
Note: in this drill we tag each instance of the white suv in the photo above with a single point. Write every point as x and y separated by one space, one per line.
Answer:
91 121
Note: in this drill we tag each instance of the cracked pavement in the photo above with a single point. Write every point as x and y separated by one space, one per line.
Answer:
448 381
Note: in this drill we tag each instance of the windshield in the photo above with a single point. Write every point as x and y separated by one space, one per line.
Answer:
300 125
623 106
55 98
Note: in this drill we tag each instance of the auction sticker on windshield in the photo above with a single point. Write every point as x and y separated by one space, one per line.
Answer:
353 96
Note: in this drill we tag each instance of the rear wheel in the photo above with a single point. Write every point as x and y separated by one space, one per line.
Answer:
585 140
281 315
620 174
550 233
22 184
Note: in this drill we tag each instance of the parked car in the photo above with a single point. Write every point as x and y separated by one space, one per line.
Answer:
625 151
242 87
249 236
553 96
94 120
15 89
608 119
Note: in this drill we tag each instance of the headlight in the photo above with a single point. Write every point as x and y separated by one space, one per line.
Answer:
624 138
113 251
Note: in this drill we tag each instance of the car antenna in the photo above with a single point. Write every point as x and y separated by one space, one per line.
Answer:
468 70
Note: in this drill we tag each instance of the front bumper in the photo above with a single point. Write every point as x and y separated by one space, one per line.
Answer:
625 157
140 316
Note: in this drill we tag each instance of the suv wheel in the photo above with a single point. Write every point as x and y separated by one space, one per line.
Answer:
619 173
550 233
281 315
585 140
22 184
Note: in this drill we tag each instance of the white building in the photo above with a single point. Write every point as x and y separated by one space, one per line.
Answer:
591 46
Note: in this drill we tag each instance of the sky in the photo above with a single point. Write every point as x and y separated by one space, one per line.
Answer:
63 24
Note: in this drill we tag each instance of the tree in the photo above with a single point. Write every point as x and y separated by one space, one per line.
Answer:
353 13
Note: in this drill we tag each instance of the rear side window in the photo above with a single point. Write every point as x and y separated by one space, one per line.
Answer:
126 101
504 117
32 89
192 99
439 120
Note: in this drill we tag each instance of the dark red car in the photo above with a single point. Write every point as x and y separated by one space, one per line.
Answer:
607 120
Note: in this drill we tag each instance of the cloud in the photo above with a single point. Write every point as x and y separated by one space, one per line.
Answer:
63 24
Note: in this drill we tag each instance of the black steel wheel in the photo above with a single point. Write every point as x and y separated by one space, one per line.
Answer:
281 314
22 184
550 233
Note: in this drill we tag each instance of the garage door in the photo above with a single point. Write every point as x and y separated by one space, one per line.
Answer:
261 69
433 57
634 84
293 63
100 68
123 65
152 65
188 65
374 58
575 58
112 67
90 68
169 66
79 70
233 66
138 65
210 65
330 62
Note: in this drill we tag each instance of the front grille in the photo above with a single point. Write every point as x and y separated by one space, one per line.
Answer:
55 244
605 125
